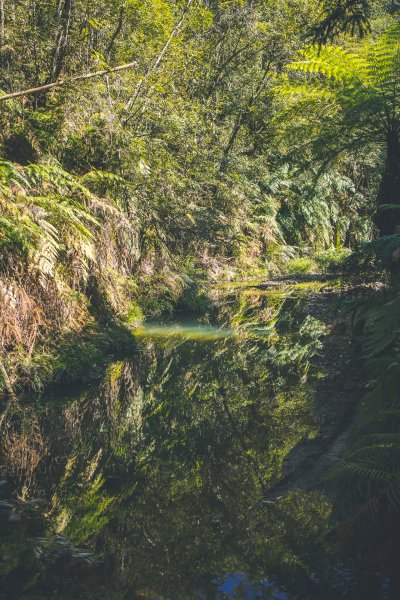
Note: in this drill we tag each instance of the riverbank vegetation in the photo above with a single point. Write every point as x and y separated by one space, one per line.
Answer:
208 157
150 149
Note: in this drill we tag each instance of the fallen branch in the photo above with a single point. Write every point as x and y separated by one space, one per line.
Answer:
62 82
108 71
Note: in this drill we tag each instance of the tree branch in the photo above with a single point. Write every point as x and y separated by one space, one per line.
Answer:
109 71
62 82
116 32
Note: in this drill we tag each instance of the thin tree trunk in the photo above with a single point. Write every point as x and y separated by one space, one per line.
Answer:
242 114
60 47
6 379
153 65
2 23
116 32
388 219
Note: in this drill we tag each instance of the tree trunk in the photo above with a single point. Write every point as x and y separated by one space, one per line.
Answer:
62 38
6 380
2 21
388 219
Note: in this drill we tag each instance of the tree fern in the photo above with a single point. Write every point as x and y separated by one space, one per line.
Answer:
342 16
355 99
335 63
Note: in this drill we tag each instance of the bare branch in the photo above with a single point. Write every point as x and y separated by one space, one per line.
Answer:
62 82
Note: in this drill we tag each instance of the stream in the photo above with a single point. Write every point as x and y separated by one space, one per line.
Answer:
157 480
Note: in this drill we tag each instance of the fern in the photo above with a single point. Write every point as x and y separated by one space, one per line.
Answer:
342 16
355 95
335 63
55 235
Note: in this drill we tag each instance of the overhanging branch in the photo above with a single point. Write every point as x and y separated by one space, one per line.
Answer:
108 71
62 82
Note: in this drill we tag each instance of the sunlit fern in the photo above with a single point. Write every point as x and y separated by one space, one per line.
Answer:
353 95
56 240
45 212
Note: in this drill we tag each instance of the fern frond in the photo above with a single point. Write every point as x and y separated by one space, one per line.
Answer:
334 63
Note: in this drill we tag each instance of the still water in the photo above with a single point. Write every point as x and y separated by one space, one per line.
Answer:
157 480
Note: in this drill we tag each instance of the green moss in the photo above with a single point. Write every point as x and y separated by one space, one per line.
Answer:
134 315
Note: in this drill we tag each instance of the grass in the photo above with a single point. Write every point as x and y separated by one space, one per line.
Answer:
301 265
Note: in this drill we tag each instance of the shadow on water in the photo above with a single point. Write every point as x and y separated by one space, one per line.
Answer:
154 482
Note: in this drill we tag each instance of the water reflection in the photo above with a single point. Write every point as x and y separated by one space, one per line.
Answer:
163 470
188 331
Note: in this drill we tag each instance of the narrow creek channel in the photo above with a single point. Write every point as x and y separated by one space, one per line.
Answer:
157 480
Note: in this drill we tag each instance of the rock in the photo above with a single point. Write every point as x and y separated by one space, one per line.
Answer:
3 483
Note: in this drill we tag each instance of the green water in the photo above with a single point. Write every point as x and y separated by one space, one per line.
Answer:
187 331
157 480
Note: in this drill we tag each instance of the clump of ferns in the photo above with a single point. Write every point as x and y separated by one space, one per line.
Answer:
380 257
54 235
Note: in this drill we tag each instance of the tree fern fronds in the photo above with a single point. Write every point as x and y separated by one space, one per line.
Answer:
57 178
382 326
384 54
335 63
353 96
103 179
10 174
53 210
56 234
342 16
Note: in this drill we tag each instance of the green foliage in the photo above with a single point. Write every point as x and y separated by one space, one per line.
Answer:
353 96
301 265
332 260
357 86
123 196
375 258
